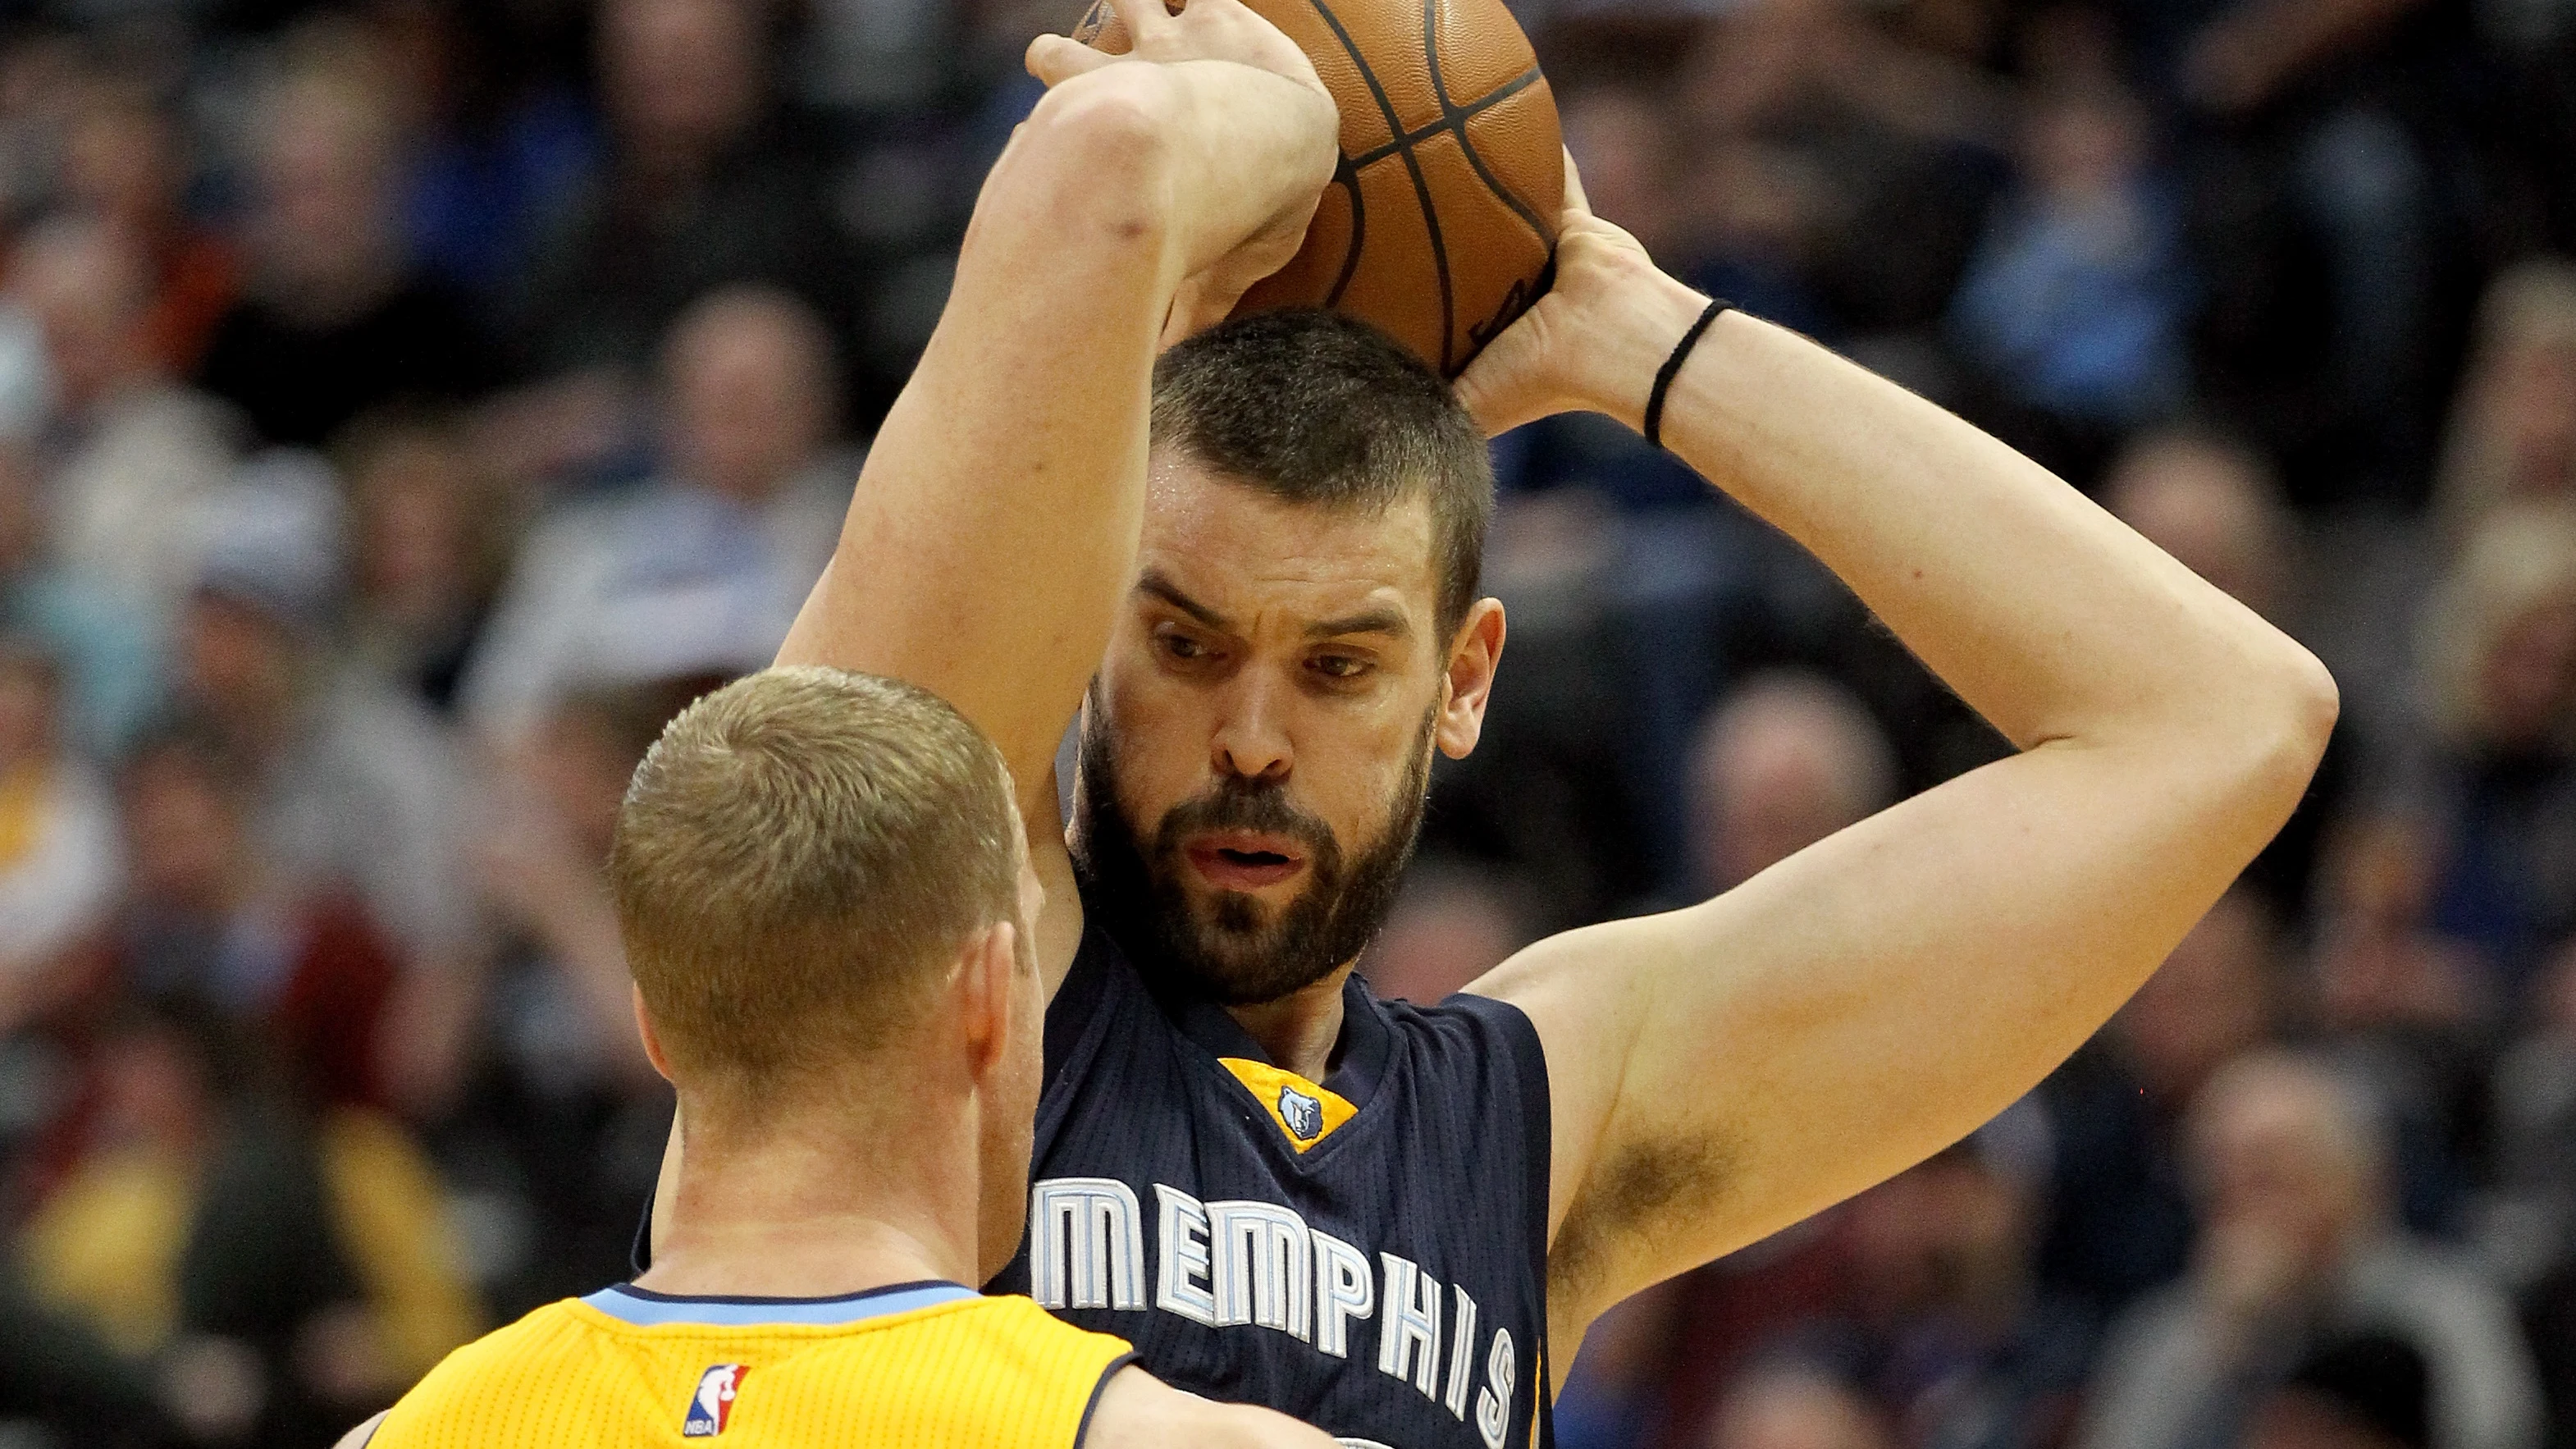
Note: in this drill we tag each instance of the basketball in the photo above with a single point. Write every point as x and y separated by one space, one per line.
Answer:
1441 219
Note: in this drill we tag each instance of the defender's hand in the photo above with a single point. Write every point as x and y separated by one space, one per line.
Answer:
1594 341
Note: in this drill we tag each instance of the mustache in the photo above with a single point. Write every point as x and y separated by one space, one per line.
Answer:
1263 806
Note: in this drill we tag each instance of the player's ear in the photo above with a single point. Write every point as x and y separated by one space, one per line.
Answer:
984 995
1473 654
644 1028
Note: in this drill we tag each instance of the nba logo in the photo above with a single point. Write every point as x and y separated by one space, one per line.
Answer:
1303 1114
712 1409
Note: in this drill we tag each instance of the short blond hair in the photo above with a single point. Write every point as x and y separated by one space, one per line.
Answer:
798 860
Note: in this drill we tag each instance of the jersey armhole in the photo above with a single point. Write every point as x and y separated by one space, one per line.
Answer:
1118 1365
1529 1071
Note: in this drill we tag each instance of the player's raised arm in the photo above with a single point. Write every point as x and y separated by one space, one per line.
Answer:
994 525
1723 1071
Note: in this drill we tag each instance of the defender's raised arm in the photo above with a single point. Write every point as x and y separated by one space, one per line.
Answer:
995 523
1724 1071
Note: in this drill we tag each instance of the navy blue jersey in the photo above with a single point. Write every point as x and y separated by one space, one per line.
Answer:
1368 1253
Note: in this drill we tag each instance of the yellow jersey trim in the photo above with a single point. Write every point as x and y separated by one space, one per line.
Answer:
1283 1093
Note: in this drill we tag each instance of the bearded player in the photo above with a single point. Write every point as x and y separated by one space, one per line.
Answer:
1252 571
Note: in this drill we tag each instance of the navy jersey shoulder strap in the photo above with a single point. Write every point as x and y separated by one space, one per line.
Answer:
1526 1062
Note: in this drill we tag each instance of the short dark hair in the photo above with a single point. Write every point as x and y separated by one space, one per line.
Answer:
1317 408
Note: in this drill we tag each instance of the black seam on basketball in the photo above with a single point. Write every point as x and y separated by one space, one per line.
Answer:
1471 110
1454 118
1347 176
1501 192
1430 216
1421 187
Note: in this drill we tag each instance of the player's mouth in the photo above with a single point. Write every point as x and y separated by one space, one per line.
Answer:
1242 860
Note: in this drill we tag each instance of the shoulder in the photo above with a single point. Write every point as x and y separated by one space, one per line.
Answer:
1466 1017
1047 1338
1138 1411
1471 1036
548 1347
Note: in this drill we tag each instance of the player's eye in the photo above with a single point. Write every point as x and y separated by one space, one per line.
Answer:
1182 648
1340 667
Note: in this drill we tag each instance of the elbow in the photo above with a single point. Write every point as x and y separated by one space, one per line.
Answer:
2289 729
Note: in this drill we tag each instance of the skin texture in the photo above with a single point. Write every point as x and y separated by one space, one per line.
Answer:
1267 630
1718 1072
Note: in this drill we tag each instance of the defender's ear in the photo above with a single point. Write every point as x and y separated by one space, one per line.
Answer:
644 1028
985 971
1473 655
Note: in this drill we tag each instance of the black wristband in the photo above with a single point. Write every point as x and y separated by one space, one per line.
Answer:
1672 367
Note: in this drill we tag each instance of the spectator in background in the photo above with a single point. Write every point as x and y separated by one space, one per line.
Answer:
501 135
289 1277
2493 776
336 321
1788 1406
2403 1007
125 166
59 864
2513 425
2298 1244
211 919
2121 1223
2376 960
1786 761
699 189
561 1132
1946 1325
1453 923
2211 503
1866 138
104 648
2319 221
704 570
2072 308
131 458
430 538
350 781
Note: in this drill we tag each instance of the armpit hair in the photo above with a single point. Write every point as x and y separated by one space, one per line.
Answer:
1643 1188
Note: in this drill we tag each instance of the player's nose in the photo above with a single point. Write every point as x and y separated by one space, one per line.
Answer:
1251 737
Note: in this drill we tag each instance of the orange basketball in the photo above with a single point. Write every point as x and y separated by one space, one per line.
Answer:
1441 219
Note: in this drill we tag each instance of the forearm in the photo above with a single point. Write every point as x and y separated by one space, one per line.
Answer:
996 521
2048 616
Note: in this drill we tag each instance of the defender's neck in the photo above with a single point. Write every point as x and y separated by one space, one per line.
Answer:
816 1214
1300 1031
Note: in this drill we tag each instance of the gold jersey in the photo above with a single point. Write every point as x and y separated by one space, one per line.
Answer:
917 1366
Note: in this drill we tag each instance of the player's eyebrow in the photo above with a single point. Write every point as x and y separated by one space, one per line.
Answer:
1390 622
1152 582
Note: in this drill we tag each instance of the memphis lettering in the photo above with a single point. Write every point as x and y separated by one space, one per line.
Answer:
1224 1264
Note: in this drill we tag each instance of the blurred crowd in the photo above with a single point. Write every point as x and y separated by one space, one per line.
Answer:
405 405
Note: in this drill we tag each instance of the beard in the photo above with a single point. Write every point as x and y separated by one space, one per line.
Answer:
1234 949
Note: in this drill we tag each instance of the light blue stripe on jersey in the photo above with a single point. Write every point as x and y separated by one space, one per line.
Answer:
650 1309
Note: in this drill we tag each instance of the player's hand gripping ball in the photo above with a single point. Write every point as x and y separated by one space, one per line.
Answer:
1441 221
